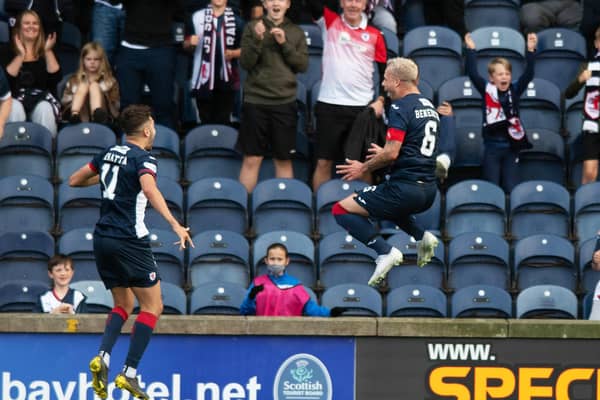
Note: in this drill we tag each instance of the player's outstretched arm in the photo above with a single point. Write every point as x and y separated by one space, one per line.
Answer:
84 176
156 199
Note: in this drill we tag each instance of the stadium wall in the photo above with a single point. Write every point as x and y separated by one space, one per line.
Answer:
226 358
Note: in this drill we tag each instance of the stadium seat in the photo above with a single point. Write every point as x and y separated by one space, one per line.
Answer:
573 116
314 38
343 259
301 251
392 42
360 300
586 305
99 299
79 245
544 260
217 204
327 195
26 204
499 41
482 13
174 299
437 50
586 211
26 149
478 258
546 160
540 106
20 295
426 90
466 105
78 207
77 144
209 151
314 72
282 204
4 31
589 278
417 301
173 195
219 256
218 298
546 301
538 207
430 219
558 55
481 301
475 206
168 256
408 273
166 150
25 255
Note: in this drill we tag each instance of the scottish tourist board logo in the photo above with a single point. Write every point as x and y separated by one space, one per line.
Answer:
302 377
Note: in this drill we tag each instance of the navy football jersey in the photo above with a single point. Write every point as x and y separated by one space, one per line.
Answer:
414 121
123 202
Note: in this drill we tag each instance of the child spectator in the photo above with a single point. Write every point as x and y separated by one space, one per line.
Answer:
280 294
33 73
503 133
273 51
215 75
61 299
92 93
589 75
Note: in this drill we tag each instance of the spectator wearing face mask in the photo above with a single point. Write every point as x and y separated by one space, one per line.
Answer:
279 294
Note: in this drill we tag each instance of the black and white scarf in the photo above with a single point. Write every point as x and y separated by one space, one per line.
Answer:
591 105
495 113
204 76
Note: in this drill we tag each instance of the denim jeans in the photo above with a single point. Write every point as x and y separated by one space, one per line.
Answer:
155 67
107 28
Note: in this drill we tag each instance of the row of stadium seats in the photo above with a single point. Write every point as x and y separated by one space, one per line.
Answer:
222 298
29 203
469 259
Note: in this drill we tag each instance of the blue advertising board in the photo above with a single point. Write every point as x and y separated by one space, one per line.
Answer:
183 367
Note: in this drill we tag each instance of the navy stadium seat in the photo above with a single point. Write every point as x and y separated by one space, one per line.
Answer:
26 149
481 301
79 245
282 204
25 255
209 151
499 41
343 259
540 106
217 203
360 300
586 211
417 301
173 195
20 295
26 204
589 278
544 259
166 150
546 301
78 207
482 13
475 206
546 160
168 256
478 258
220 298
327 195
220 256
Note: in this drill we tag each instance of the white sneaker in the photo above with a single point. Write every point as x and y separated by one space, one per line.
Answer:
442 165
384 263
426 248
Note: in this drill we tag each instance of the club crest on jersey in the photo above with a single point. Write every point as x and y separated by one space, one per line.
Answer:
365 37
152 276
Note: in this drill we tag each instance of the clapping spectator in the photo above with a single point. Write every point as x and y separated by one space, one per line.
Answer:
33 73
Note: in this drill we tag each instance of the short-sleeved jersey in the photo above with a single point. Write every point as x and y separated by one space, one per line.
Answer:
123 201
348 56
414 121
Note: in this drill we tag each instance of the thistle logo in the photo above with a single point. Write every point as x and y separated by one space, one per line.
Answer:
302 377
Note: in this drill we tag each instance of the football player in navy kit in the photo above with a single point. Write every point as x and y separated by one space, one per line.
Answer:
410 153
127 176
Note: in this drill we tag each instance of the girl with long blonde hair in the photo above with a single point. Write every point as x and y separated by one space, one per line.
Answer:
92 93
